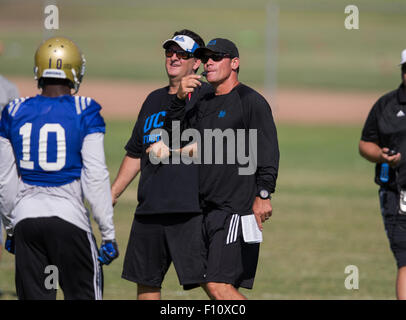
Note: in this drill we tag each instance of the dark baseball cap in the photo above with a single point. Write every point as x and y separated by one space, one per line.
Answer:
218 45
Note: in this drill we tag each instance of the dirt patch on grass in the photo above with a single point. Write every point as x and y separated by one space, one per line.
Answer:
123 99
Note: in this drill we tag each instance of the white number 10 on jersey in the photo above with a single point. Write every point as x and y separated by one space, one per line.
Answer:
26 163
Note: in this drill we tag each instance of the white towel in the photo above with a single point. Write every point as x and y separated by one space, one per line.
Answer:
250 229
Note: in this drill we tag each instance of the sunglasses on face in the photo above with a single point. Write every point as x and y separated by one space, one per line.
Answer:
179 53
215 57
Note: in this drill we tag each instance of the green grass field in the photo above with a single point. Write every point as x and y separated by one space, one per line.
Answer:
123 39
326 216
326 212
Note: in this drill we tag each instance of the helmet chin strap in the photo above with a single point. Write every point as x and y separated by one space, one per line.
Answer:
35 73
76 83
76 87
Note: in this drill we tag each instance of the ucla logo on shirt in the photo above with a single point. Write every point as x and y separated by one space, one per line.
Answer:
154 121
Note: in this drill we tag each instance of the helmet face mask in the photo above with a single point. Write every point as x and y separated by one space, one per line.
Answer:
59 58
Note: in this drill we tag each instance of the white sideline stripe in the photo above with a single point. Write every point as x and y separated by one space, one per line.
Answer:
232 234
78 111
96 274
88 100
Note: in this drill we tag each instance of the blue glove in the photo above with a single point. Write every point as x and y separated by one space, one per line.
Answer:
10 245
108 251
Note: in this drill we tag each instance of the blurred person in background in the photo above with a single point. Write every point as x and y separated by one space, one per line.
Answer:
383 142
8 92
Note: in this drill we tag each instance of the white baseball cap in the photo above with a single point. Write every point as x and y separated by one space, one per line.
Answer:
185 42
403 57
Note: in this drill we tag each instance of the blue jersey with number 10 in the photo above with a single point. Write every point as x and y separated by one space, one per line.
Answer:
47 136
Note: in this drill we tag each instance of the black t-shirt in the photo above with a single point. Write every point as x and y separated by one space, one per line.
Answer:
163 188
386 126
220 185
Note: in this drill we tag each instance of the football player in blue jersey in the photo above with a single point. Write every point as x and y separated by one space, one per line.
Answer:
51 158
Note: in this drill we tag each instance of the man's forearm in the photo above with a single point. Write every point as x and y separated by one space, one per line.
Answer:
175 122
128 171
370 151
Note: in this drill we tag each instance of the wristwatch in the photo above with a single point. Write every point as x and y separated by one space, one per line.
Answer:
264 194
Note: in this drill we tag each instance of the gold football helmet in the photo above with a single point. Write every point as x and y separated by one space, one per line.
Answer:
60 58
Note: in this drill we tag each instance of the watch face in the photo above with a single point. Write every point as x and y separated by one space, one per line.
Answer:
264 194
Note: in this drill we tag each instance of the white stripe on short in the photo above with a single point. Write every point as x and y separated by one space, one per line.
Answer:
97 281
233 229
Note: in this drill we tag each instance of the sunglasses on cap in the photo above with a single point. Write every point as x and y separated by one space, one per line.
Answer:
179 53
215 57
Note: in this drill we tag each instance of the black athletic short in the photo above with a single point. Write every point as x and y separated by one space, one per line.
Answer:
158 239
50 249
395 224
229 258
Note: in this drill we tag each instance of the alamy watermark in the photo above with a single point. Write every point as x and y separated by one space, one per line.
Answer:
352 280
219 147
352 20
51 21
52 280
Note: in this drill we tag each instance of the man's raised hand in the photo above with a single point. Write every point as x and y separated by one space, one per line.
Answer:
188 85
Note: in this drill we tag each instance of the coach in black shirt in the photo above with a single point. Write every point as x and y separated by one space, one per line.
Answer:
235 202
383 142
168 218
